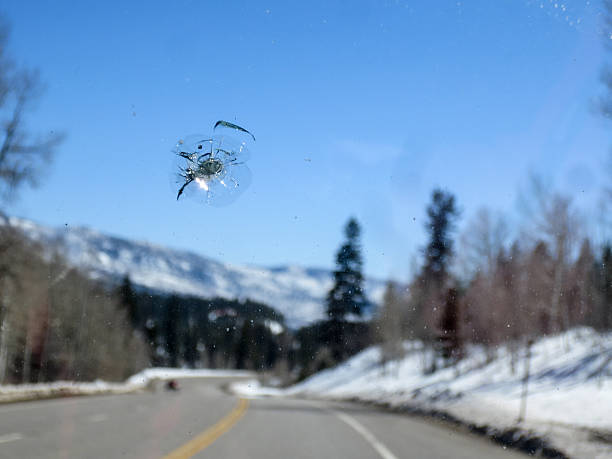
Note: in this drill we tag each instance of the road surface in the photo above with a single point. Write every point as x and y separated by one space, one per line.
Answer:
203 421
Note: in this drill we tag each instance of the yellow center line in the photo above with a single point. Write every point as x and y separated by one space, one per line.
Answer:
207 437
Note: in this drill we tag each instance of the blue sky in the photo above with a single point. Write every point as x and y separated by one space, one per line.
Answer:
359 108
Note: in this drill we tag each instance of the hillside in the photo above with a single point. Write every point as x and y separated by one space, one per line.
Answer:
297 292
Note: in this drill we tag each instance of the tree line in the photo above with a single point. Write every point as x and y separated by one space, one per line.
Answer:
195 332
56 323
494 289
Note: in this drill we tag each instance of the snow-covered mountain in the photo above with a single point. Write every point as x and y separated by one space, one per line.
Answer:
297 292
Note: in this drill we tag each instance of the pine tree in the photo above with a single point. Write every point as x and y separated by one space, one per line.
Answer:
128 300
244 346
449 325
441 216
603 313
190 341
171 329
347 295
433 281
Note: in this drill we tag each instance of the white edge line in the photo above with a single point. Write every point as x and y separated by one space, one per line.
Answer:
97 417
381 449
10 437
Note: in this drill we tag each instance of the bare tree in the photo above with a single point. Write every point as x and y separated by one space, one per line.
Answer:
389 324
57 323
493 302
18 263
605 101
554 220
580 286
539 269
603 106
23 155
484 236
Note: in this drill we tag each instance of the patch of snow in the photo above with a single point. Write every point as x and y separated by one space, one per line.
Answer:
164 374
274 326
252 388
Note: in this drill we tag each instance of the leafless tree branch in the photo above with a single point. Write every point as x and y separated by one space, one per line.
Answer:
23 156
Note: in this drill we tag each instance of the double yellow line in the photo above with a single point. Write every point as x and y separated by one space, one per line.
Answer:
207 437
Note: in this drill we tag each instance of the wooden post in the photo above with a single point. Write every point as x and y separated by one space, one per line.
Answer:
523 409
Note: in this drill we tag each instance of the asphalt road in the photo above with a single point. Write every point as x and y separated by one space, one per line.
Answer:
202 421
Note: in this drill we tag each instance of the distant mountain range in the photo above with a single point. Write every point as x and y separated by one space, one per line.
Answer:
297 292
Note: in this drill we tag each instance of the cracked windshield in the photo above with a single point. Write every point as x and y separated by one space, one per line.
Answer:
370 229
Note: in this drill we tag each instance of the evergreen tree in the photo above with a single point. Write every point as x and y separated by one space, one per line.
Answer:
190 341
441 216
171 329
244 346
603 314
449 324
151 331
128 300
431 296
347 295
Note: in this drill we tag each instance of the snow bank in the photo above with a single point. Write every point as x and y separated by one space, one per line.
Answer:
570 389
150 374
23 392
252 388
137 382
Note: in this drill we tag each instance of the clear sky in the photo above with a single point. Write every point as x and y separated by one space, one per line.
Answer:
359 108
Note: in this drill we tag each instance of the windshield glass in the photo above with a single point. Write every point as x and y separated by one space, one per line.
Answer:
254 229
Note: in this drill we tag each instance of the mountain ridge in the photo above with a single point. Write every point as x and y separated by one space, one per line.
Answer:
297 292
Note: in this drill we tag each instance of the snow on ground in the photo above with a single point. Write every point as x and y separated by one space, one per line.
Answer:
139 381
163 374
252 388
570 389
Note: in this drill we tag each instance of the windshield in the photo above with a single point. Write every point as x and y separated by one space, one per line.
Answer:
301 229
